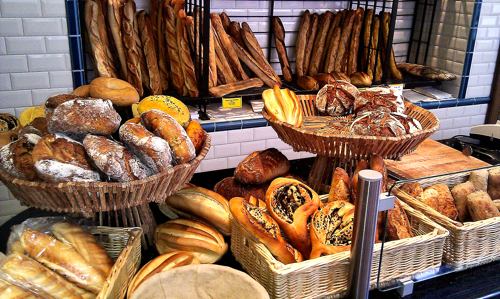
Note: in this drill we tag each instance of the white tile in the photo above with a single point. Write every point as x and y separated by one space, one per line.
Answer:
243 135
446 124
48 62
250 147
13 63
218 137
25 45
277 143
258 12
483 108
222 3
487 20
304 155
232 162
40 95
5 82
477 120
30 80
57 44
213 164
61 79
227 150
15 98
283 12
465 131
8 110
11 27
445 134
210 154
455 112
20 8
264 133
53 8
473 110
42 26
3 47
478 91
483 45
291 155
290 4
233 12
461 122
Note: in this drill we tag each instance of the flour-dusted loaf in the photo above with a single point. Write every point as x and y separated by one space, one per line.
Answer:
16 159
152 150
337 98
84 116
439 198
114 160
481 206
460 193
379 99
61 159
479 179
262 166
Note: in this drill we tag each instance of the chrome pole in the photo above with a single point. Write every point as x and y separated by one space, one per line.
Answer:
363 239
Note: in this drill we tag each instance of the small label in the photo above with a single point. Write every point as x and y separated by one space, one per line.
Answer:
232 103
397 87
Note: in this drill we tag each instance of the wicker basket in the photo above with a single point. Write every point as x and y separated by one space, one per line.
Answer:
124 247
345 145
469 244
91 197
327 276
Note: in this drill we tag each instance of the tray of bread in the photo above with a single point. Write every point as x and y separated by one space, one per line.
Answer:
82 158
344 122
467 204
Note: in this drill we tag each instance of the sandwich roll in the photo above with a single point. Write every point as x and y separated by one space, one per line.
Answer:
197 238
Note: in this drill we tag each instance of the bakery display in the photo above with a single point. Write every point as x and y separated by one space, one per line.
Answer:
426 72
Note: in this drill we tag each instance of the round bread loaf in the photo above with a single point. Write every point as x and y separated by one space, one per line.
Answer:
114 160
61 159
54 101
262 166
377 123
152 150
339 76
337 98
196 134
82 91
168 128
15 157
361 79
84 116
120 92
379 99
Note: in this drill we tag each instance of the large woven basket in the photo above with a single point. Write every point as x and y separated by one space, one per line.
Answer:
469 244
91 197
124 247
327 276
346 146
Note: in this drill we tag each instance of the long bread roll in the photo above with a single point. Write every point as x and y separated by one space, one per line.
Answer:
374 63
187 65
300 45
352 65
393 69
225 74
320 43
367 32
115 11
332 42
154 9
279 41
129 42
140 48
162 46
234 31
173 52
222 90
311 36
11 291
344 41
212 60
146 34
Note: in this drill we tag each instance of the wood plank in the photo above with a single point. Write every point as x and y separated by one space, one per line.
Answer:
432 158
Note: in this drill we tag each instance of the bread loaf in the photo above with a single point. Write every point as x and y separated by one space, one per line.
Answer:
147 40
352 64
263 227
344 40
398 225
308 83
225 89
324 79
361 79
336 99
234 30
197 238
162 36
362 164
186 60
262 166
494 183
16 157
440 199
340 187
229 187
224 72
82 91
460 193
114 160
12 291
481 206
152 150
479 179
173 48
212 59
115 16
225 20
340 76
301 42
377 163
393 69
52 102
332 42
413 189
374 60
311 37
320 43
367 32
279 41
197 135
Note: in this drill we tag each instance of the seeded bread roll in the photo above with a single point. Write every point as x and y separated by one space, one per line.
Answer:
261 167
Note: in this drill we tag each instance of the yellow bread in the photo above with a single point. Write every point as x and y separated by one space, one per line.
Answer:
30 113
167 104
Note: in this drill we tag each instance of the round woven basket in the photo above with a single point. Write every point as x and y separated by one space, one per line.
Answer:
345 145
92 197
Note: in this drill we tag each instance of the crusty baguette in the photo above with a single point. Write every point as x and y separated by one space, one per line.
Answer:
332 42
222 90
227 47
300 45
367 31
374 63
212 60
311 36
154 9
393 69
162 46
320 43
94 22
130 45
279 41
253 47
225 20
142 56
352 65
254 66
115 10
225 74
173 52
187 66
344 41
234 31
146 34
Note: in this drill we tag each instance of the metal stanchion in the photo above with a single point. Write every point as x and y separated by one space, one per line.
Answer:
365 222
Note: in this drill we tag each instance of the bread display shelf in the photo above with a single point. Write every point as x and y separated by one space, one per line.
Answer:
329 275
347 146
91 197
470 243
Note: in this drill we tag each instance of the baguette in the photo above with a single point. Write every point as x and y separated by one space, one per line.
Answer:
173 52
224 18
212 60
367 31
154 8
228 47
300 45
352 65
344 41
374 63
393 69
225 74
234 31
129 43
142 56
162 40
332 42
146 34
221 90
319 43
311 36
115 8
186 61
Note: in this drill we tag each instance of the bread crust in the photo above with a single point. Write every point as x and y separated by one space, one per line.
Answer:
398 225
340 187
439 198
147 40
300 45
224 89
115 15
229 187
173 48
187 66
311 37
120 92
460 193
319 43
262 166
352 64
307 83
344 41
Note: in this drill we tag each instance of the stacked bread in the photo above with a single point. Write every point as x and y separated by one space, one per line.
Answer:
67 263
74 143
474 200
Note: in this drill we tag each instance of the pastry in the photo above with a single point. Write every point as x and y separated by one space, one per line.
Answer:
340 186
166 127
481 206
197 135
332 228
15 157
460 193
120 92
479 179
153 151
114 160
291 203
336 99
494 183
203 204
440 199
264 228
197 238
301 42
84 116
262 166
229 187
61 159
398 225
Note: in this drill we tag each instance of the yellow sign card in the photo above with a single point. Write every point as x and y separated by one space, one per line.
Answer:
232 102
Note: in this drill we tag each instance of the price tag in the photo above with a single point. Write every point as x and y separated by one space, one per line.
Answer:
232 102
398 88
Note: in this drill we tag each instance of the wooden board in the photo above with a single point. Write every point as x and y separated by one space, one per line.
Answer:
432 158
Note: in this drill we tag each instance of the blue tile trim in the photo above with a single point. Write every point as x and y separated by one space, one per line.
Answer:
209 127
470 49
482 100
75 42
229 125
254 123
